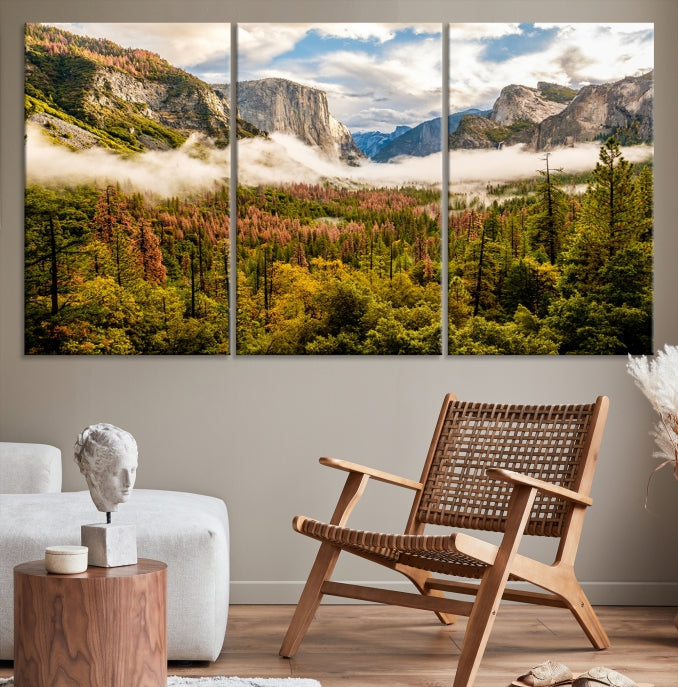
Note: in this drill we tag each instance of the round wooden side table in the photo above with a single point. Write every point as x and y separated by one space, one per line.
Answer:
106 627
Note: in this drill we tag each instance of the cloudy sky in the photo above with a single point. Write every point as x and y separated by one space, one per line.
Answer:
486 57
376 76
380 75
201 49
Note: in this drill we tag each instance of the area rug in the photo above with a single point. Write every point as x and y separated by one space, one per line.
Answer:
177 681
220 681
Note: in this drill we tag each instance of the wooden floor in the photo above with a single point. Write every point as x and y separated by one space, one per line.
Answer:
368 645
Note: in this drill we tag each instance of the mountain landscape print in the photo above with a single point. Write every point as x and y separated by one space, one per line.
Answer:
551 189
127 189
340 146
338 233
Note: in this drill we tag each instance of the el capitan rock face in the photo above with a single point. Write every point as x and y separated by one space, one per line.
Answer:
87 92
282 106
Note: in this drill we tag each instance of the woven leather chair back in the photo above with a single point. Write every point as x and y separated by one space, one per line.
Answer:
548 442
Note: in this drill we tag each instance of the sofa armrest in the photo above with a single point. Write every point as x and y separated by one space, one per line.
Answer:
29 468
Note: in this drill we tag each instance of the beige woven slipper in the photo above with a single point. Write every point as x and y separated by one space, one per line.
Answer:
546 674
600 675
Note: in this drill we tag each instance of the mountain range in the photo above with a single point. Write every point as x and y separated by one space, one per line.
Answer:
371 142
87 92
423 139
552 116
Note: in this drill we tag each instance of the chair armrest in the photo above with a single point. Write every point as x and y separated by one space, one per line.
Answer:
370 472
546 487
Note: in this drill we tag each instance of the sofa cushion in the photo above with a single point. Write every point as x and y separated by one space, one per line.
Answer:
29 468
187 531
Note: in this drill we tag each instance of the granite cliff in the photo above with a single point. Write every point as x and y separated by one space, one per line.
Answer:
623 109
281 106
518 103
188 107
551 116
87 92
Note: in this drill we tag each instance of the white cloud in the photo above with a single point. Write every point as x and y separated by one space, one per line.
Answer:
384 76
602 52
407 79
507 164
285 159
258 44
188 169
579 54
471 31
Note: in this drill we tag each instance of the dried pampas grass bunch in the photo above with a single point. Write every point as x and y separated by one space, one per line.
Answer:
658 380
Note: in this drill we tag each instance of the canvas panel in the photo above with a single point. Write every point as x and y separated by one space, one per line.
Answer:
127 190
551 202
339 189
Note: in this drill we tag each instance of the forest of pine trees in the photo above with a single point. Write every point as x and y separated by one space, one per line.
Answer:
113 273
332 271
542 269
555 272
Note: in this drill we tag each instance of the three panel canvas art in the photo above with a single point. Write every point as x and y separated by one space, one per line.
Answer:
333 165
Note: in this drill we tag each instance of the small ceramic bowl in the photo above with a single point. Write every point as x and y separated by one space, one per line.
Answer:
66 560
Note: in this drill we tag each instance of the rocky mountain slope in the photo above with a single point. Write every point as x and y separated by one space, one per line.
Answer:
624 109
518 103
420 141
86 92
423 139
552 116
282 106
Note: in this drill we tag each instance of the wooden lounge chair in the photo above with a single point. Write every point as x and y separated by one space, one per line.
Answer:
516 469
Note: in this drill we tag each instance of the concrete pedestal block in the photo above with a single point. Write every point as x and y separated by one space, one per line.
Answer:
110 545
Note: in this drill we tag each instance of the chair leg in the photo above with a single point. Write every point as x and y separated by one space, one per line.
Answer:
492 588
479 627
583 612
310 599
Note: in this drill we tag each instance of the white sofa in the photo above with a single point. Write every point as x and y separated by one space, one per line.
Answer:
187 531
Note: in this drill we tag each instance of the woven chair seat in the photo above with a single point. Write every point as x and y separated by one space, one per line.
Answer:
428 552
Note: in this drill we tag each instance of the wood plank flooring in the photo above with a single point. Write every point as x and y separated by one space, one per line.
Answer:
371 646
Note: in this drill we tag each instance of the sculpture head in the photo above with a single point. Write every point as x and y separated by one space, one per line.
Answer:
107 456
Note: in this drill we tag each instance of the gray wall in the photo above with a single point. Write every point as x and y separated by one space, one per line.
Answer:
250 430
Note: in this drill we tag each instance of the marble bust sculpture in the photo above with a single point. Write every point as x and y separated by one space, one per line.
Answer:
107 456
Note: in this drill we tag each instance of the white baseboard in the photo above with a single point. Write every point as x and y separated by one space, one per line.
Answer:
599 593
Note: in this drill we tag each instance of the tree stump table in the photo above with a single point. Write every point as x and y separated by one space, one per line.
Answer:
106 627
